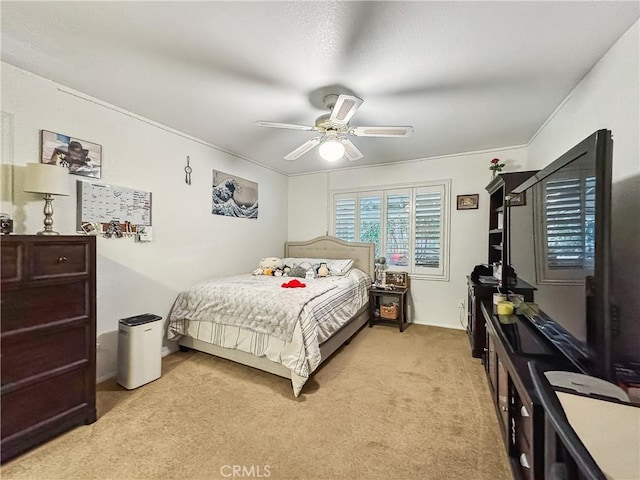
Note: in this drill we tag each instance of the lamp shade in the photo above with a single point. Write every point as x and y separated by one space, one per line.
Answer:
44 178
331 148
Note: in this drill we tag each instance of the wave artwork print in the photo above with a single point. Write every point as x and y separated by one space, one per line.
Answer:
234 196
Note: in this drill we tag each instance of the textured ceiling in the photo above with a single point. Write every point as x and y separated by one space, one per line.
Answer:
467 75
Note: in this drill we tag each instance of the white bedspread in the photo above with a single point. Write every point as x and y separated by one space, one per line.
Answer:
256 315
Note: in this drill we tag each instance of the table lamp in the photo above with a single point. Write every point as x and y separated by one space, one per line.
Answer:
50 180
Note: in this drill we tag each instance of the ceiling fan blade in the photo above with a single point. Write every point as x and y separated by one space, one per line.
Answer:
381 131
292 126
345 107
302 149
351 152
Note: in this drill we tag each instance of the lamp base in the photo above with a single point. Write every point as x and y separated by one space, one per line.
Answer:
48 216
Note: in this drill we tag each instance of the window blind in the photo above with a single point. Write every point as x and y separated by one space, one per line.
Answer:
370 220
397 240
345 219
428 210
570 222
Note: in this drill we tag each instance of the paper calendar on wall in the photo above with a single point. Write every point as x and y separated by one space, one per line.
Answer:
100 203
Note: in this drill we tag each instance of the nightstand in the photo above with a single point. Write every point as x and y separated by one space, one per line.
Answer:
379 297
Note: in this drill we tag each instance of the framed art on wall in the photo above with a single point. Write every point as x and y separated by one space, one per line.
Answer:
467 202
517 199
234 196
80 157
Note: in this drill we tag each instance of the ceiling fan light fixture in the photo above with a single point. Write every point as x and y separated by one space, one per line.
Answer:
331 148
335 144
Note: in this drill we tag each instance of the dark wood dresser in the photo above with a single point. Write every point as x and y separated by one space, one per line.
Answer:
47 338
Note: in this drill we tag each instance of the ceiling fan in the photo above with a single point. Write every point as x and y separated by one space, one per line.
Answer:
334 126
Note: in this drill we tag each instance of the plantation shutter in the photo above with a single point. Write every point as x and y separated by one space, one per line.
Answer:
345 218
428 228
408 225
570 221
371 219
397 238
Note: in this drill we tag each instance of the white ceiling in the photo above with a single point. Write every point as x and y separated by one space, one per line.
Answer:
467 75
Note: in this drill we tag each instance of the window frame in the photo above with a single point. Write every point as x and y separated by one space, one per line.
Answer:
440 273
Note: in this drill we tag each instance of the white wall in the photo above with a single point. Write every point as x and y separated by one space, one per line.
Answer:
308 204
190 244
609 97
432 302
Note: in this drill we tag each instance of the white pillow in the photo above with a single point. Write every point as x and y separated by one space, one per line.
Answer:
340 267
291 261
336 267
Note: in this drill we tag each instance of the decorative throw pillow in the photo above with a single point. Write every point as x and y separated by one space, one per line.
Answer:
340 267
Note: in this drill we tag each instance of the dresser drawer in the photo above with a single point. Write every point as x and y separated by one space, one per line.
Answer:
25 408
31 353
54 260
12 264
43 304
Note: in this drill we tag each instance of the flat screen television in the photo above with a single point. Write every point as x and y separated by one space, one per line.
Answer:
559 242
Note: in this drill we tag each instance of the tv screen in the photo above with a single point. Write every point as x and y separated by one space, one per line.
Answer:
559 243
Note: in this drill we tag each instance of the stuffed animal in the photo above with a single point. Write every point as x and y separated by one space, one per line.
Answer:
268 271
286 270
270 262
323 270
258 271
278 272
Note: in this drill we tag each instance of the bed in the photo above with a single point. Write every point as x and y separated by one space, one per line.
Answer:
290 345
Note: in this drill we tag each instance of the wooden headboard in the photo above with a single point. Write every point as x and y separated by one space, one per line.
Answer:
333 248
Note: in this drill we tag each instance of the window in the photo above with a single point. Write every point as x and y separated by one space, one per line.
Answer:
566 228
409 225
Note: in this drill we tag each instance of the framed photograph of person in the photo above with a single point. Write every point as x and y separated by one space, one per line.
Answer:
517 199
80 157
467 202
90 228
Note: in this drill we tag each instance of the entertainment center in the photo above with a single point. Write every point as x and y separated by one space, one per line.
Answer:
552 245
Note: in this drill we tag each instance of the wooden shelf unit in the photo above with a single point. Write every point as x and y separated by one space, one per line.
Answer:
499 189
511 343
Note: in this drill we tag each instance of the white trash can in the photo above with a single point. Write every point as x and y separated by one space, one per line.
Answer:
139 350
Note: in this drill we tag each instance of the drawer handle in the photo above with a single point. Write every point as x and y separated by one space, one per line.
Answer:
524 412
62 259
523 461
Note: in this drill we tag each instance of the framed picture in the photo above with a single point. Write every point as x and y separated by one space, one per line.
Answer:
467 202
80 157
397 279
234 196
517 199
90 228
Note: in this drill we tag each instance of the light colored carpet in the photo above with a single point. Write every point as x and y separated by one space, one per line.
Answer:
390 405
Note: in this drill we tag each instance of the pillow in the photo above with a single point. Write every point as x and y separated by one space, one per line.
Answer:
340 267
336 267
291 261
